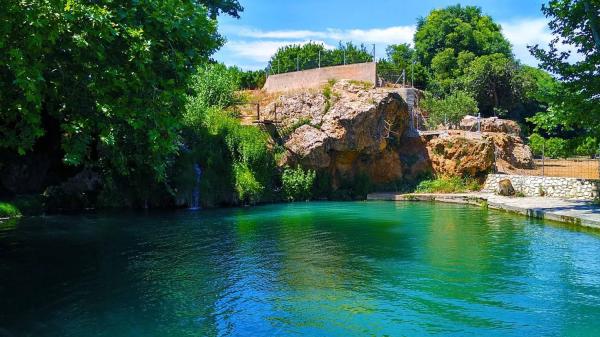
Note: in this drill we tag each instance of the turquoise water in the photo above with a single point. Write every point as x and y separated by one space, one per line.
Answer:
314 269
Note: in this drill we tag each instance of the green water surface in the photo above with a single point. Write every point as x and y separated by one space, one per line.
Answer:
312 269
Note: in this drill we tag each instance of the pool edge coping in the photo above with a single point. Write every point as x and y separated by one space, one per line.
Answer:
483 200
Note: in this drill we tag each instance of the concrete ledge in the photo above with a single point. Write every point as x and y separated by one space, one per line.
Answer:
581 213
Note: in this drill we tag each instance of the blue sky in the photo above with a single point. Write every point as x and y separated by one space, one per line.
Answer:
267 25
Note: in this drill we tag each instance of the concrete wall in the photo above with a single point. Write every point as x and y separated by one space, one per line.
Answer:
315 78
570 188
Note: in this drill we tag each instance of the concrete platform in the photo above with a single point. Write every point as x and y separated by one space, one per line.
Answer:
577 212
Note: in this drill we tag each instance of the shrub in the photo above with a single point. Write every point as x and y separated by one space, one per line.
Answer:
247 187
450 109
297 183
8 210
551 147
448 185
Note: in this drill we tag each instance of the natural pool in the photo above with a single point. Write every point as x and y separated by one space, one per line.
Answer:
315 269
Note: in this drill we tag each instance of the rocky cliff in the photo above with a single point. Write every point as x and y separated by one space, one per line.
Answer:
349 129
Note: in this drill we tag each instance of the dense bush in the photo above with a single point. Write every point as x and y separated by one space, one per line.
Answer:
306 56
551 148
236 161
298 183
450 109
8 210
448 185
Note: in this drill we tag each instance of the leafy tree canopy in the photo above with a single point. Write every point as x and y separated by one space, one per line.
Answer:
575 103
459 29
111 75
306 56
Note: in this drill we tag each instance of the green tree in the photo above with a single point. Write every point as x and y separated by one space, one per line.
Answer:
229 7
111 76
459 29
306 56
448 110
399 58
494 81
574 103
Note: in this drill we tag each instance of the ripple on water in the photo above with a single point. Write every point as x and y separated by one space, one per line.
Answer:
335 269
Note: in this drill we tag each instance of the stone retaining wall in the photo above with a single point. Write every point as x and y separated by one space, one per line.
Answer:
558 187
314 78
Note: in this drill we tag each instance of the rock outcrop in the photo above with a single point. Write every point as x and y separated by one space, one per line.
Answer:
493 124
460 156
349 129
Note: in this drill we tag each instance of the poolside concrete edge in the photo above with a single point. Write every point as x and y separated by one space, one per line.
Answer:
577 212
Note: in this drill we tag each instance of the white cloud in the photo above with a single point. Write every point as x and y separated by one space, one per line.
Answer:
527 32
389 35
262 51
251 48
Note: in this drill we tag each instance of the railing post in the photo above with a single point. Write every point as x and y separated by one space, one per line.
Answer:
258 112
543 157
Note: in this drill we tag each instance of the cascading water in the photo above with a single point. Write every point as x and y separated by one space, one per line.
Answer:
195 197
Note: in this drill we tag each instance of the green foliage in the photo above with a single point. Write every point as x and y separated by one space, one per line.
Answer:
448 185
8 210
551 148
575 103
248 188
249 79
229 7
235 159
587 146
306 56
106 78
494 81
298 183
450 109
402 57
214 85
458 29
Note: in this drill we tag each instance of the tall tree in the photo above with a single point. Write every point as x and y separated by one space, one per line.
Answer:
575 104
459 29
105 79
306 56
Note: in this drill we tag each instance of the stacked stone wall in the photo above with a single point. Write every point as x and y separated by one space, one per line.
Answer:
559 187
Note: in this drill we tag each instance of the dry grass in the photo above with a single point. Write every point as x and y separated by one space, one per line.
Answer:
573 168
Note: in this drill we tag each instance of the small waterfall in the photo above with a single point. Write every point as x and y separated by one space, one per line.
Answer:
195 197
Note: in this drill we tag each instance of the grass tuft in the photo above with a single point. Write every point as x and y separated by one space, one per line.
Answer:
448 185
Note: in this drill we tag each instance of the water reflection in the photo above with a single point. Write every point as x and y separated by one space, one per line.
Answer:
335 269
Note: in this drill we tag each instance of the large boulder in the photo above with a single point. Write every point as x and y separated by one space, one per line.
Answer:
347 129
506 188
492 124
460 156
510 152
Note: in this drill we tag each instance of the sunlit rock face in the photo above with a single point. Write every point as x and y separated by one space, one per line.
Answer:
349 129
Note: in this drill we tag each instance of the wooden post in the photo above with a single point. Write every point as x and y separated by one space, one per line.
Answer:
258 112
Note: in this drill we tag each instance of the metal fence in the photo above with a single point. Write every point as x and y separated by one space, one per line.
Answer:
574 167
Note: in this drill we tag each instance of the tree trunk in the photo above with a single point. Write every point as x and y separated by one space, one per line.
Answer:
592 17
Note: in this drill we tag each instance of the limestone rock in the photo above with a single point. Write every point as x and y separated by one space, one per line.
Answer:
348 131
460 156
493 124
511 153
505 187
309 146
